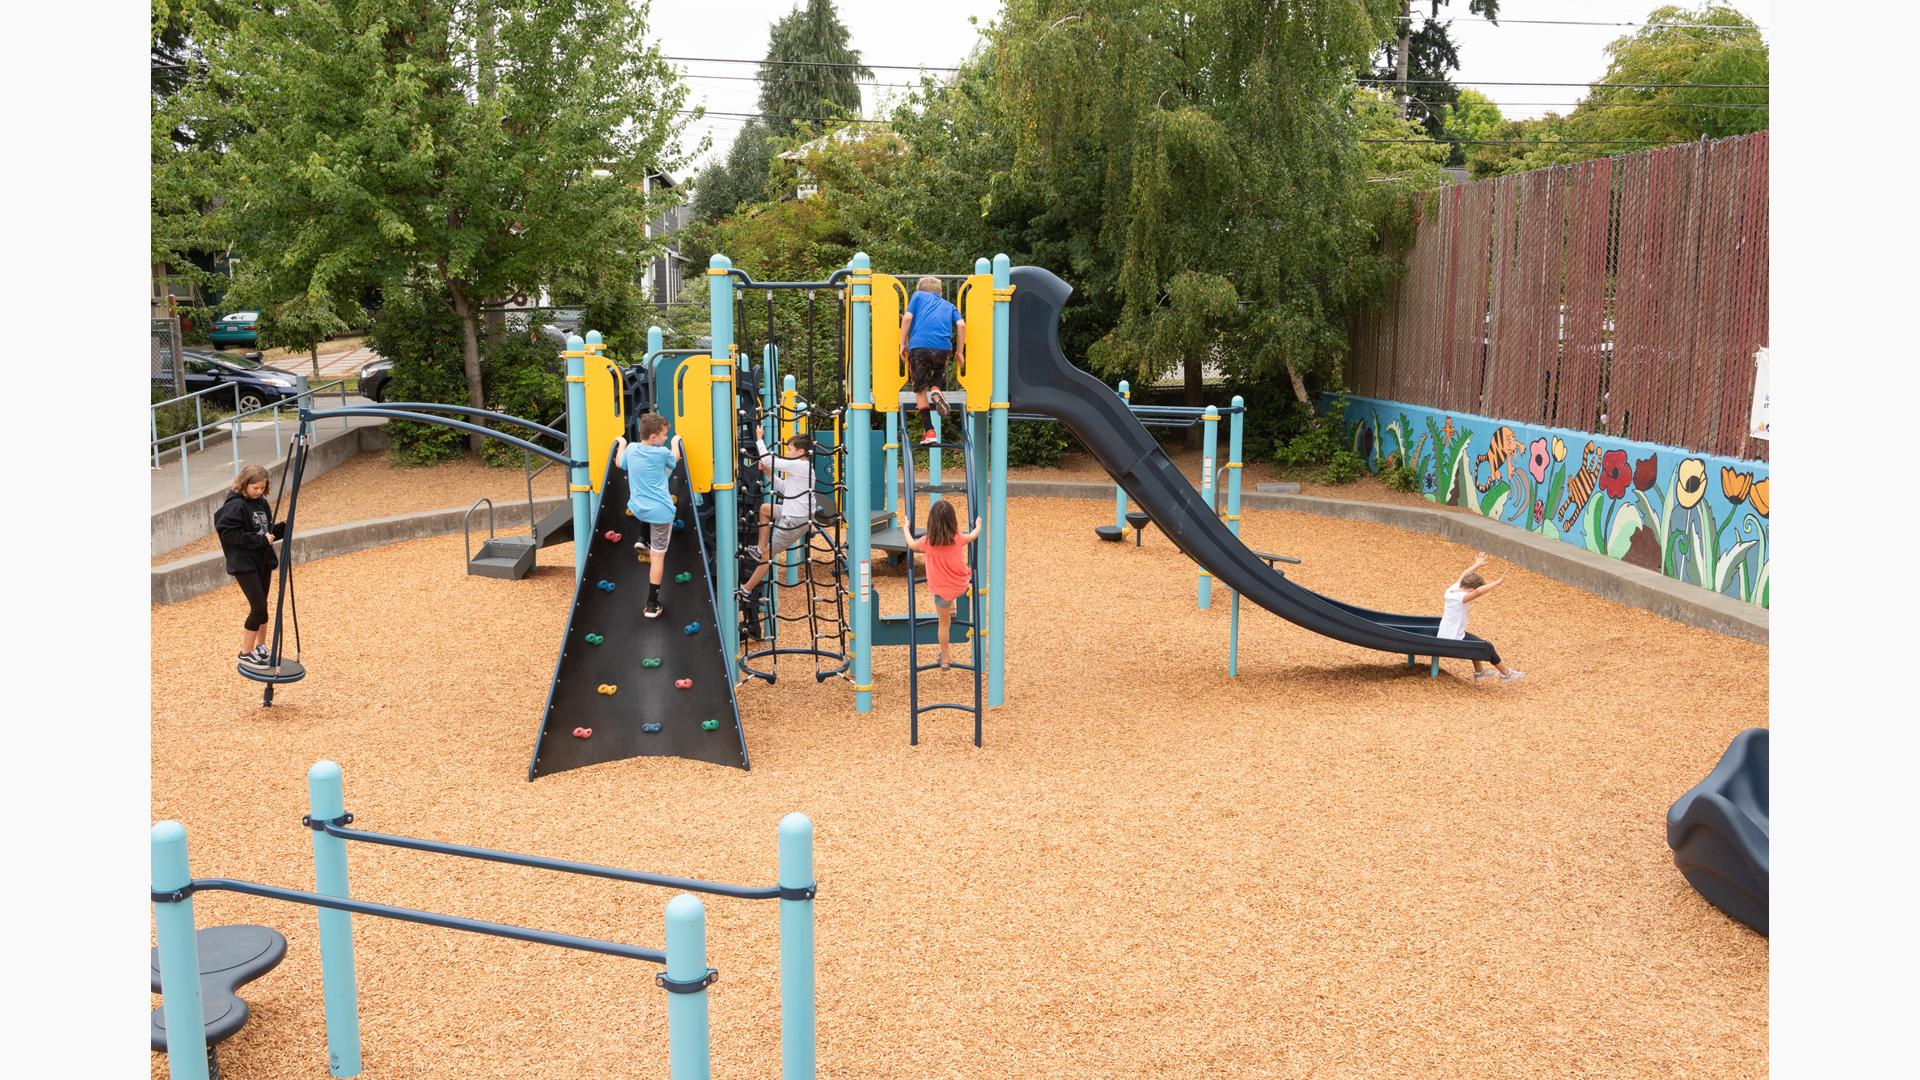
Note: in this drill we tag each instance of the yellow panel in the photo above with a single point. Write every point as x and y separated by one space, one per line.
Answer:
606 412
889 366
792 420
693 418
976 375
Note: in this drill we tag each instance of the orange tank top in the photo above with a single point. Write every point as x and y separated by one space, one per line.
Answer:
947 573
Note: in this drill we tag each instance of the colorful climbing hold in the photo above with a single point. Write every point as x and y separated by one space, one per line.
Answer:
596 639
604 586
709 725
651 661
651 729
583 733
692 628
684 684
608 688
683 577
679 523
611 535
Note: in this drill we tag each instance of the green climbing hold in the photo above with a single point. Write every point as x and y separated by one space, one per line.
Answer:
683 577
651 661
709 725
595 639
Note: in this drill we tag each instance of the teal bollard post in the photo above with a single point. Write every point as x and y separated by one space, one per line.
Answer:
179 956
1210 446
689 1049
726 521
997 485
326 801
859 429
1236 434
578 485
796 950
1120 493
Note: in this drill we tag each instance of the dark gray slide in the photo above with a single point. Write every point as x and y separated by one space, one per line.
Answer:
1041 380
642 696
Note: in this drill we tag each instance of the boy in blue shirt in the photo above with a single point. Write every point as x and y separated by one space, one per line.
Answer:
649 463
931 333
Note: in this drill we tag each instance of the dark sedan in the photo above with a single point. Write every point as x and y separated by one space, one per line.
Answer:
374 376
246 382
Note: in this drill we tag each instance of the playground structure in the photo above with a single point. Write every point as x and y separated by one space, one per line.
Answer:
1720 832
686 977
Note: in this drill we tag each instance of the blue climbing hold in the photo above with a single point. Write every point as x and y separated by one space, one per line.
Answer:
605 586
651 729
679 523
693 628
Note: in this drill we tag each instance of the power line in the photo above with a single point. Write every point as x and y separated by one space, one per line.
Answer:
1616 86
803 63
1583 22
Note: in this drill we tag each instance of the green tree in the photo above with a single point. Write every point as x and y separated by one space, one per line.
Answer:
811 71
477 150
1473 117
738 179
1422 52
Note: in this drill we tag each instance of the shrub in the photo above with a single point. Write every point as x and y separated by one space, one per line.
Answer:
1400 476
1343 467
1319 440
1035 442
523 379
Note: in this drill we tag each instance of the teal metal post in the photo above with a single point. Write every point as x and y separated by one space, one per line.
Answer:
796 950
796 555
933 464
689 1049
656 343
577 484
179 956
1235 432
1210 445
726 520
326 801
859 428
997 486
1120 493
982 434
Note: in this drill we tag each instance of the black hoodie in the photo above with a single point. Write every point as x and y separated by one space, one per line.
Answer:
247 531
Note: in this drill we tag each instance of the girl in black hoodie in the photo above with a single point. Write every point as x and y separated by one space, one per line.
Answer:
247 532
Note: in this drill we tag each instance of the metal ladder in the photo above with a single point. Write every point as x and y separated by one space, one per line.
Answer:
957 402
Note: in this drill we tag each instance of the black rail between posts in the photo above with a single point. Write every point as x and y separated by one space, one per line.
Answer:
307 417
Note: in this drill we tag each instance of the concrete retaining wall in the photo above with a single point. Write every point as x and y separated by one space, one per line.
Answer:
187 578
189 520
1610 579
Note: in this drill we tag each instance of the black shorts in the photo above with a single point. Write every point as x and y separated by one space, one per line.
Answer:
927 368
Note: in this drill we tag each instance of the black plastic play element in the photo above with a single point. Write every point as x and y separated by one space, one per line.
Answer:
1718 831
1138 520
1107 532
646 694
285 671
230 957
1041 380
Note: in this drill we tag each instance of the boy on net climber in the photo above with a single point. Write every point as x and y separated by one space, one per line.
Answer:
649 463
1453 616
785 521
931 333
947 572
247 532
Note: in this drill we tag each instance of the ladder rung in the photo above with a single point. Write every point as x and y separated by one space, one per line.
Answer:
944 489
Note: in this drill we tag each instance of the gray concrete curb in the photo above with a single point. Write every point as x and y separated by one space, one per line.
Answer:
1607 578
188 578
190 519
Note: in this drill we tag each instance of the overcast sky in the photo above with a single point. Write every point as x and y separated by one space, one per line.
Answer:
939 35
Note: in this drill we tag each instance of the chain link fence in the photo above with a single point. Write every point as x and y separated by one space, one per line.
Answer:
168 367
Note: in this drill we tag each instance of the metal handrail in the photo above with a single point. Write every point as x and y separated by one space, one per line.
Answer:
466 525
302 399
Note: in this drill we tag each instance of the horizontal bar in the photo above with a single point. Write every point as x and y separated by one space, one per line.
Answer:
429 918
746 280
541 862
469 410
308 416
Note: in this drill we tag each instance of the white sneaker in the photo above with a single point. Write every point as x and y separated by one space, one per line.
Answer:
1486 674
1513 676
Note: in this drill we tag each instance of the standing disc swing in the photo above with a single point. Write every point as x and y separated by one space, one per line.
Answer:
281 669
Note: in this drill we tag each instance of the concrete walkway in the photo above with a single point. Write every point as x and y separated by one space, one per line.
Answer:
213 468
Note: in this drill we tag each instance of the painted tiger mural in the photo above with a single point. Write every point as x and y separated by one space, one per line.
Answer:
1580 487
1503 446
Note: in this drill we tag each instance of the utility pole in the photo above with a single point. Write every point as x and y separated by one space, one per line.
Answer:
1400 57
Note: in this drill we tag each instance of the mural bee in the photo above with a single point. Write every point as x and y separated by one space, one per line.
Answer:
1580 486
1502 446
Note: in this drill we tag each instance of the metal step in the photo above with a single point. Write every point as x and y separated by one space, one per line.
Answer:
956 399
506 557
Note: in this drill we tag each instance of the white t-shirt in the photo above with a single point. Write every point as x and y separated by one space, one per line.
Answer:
793 484
1453 617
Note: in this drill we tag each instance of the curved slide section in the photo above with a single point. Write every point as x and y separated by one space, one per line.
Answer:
1041 380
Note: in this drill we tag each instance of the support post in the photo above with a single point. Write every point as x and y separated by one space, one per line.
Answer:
859 523
1120 493
1210 446
726 519
656 344
689 1048
579 487
179 956
789 406
1236 433
997 485
933 462
326 800
796 950
889 491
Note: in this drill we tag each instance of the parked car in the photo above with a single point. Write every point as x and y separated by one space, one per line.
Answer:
237 328
257 384
373 378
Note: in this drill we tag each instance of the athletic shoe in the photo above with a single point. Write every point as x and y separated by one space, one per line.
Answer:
253 660
1487 674
1513 676
652 610
929 438
263 655
938 400
744 596
753 553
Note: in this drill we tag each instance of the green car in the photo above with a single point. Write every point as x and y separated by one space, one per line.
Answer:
238 328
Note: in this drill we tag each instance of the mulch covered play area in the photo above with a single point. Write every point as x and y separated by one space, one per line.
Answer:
1329 866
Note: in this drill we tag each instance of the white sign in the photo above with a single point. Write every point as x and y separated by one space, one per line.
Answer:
1206 472
866 581
1760 426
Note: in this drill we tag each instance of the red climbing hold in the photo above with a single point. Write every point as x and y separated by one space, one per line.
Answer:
611 535
684 684
583 733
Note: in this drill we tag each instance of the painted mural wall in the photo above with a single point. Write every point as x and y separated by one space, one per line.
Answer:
1695 517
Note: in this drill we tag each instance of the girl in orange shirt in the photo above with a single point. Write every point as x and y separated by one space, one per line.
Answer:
947 572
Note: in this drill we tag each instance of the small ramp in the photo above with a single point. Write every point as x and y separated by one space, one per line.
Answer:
642 695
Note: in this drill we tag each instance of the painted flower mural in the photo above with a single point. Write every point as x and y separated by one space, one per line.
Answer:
1690 483
1559 448
1537 460
1735 484
1759 496
1614 476
1645 472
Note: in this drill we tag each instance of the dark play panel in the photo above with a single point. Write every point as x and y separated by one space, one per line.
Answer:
643 695
1719 831
230 957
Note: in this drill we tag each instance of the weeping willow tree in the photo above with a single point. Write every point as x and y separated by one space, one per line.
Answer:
1233 199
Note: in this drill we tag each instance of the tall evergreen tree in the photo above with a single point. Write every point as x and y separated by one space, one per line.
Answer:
811 70
1422 52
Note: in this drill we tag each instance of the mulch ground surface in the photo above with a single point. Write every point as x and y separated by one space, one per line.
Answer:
1330 866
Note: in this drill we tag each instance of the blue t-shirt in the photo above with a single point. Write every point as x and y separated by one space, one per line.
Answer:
933 320
647 470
